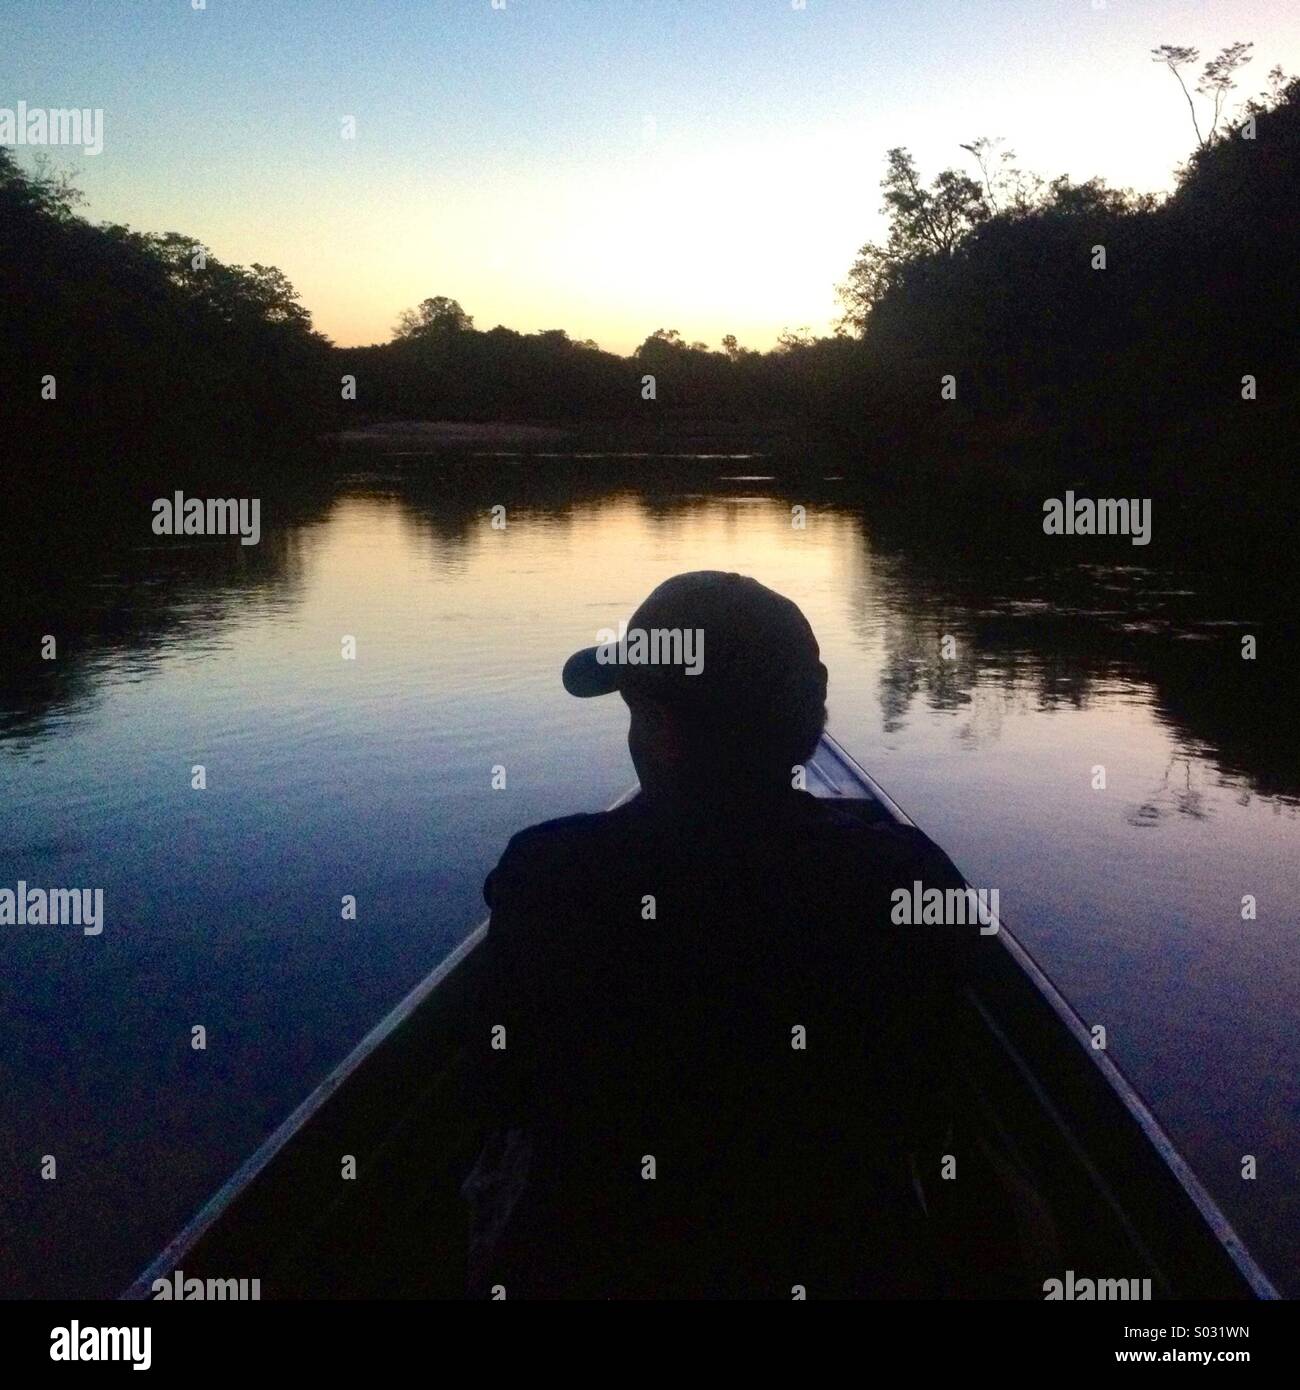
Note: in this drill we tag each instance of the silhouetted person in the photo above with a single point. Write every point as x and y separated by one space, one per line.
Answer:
723 1065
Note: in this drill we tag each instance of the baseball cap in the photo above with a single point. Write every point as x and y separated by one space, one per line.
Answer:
712 641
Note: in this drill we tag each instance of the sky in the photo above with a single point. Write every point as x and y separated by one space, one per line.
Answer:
609 167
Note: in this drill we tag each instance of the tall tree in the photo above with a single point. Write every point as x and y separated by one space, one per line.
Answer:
1217 79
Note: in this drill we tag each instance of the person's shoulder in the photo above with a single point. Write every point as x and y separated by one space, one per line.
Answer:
911 851
540 853
565 832
886 849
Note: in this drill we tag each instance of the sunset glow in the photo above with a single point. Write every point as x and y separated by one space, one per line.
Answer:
708 167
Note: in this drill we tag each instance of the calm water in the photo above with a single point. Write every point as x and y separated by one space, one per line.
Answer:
373 777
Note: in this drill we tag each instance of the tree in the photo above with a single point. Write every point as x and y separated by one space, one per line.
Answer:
1215 82
1217 78
1093 198
432 319
661 345
789 339
228 352
870 277
1006 187
922 222
933 219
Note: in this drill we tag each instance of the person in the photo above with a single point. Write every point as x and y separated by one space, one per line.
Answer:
709 1064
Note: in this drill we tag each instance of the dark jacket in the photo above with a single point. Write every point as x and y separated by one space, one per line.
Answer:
720 1051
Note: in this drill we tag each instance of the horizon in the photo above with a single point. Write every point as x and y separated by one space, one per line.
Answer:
368 226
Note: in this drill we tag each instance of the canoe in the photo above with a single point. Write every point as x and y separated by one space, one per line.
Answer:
1123 1201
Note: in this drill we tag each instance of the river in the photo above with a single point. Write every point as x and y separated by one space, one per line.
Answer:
373 777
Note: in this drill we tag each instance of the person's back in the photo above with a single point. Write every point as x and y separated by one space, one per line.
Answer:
720 1063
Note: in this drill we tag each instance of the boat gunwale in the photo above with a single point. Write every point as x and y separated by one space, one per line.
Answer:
1214 1216
260 1159
1118 1084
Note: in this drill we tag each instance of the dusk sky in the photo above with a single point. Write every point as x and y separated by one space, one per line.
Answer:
607 168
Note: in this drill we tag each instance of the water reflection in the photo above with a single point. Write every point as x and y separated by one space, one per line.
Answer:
1066 635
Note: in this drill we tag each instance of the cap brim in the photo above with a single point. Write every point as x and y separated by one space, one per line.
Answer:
585 676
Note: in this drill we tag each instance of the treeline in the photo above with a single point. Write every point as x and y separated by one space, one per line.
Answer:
439 366
117 346
1084 316
1003 316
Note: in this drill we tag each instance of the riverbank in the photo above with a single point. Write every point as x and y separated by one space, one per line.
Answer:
661 436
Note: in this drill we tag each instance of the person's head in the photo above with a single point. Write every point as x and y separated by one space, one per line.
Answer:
723 681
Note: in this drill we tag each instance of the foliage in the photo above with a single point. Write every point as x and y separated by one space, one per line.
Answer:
152 342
